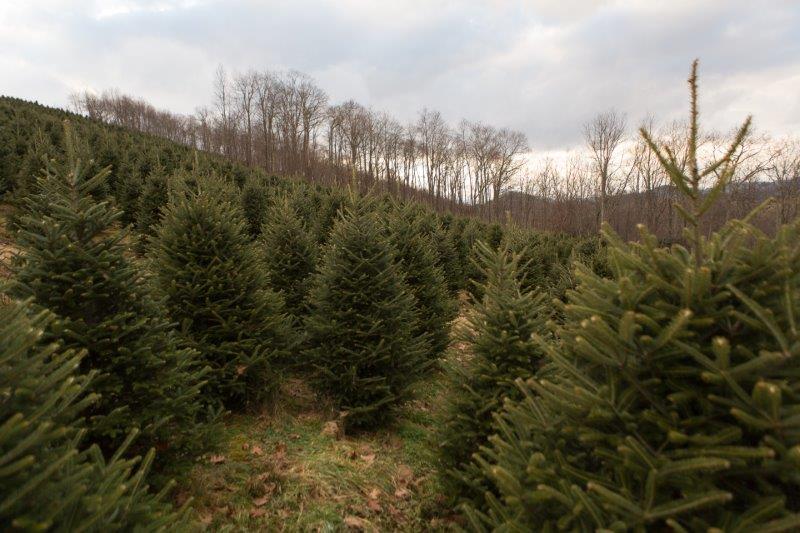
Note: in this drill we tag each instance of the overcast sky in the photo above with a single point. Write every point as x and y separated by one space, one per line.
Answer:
541 66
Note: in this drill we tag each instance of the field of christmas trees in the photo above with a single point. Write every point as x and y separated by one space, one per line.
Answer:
190 344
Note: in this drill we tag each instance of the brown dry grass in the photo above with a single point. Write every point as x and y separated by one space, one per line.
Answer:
288 471
7 248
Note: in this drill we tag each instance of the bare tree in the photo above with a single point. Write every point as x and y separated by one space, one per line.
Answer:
223 106
313 102
506 161
784 175
603 135
350 120
246 86
267 89
273 120
434 141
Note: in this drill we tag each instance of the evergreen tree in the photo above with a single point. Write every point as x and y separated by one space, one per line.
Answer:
37 151
305 201
127 193
289 254
48 483
255 204
671 398
152 199
332 203
361 325
494 235
214 286
418 260
433 229
448 259
498 335
472 233
546 259
74 262
543 257
460 238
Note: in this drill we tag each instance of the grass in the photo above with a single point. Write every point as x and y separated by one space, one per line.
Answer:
7 248
286 470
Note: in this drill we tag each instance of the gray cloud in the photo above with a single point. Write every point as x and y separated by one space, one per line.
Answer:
540 66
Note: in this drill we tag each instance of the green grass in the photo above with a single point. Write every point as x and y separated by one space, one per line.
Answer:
279 471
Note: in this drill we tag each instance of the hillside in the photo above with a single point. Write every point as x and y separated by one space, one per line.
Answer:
288 462
30 131
191 344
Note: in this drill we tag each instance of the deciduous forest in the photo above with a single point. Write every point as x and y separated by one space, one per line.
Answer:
283 123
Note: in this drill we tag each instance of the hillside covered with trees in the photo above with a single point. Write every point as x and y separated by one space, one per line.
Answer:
284 123
217 323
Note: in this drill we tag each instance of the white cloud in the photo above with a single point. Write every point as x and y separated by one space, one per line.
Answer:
540 66
112 8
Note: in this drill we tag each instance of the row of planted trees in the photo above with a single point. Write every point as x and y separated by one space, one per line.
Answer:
136 321
661 393
658 391
128 333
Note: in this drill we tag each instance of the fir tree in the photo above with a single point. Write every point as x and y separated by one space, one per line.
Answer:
304 199
546 259
494 235
289 254
418 260
48 483
543 257
153 197
74 262
460 235
433 229
448 259
332 203
127 192
472 233
256 202
672 396
215 287
499 338
361 325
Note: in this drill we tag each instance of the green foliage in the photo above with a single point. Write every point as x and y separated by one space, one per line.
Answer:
419 263
255 204
46 481
473 232
31 132
362 322
465 233
447 258
74 262
127 192
32 158
543 257
332 203
546 259
498 335
153 197
494 235
214 286
290 254
305 199
673 393
671 396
